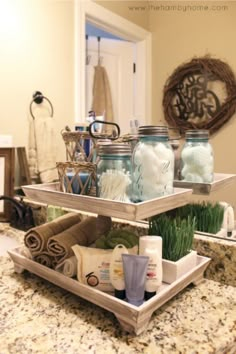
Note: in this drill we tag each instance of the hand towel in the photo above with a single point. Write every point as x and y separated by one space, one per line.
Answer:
102 99
68 267
45 259
42 149
84 234
116 237
36 238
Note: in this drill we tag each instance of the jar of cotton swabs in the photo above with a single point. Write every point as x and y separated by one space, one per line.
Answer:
197 160
114 172
153 164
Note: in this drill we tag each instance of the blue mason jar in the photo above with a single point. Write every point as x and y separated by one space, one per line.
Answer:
114 172
152 164
197 159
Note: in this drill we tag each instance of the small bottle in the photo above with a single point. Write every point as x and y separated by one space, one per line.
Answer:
114 172
153 164
197 161
151 246
117 272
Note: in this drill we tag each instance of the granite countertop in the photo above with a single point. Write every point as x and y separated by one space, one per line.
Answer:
38 317
223 258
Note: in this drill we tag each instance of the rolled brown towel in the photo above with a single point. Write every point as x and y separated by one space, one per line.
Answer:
84 234
37 237
45 259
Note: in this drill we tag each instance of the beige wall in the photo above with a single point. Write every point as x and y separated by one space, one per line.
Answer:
36 54
129 10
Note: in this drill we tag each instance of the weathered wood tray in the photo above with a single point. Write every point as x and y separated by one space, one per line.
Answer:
220 180
50 194
132 318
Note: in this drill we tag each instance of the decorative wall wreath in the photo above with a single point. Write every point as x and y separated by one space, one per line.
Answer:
200 94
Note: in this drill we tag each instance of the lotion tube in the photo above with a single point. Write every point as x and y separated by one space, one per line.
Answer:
116 271
135 268
151 246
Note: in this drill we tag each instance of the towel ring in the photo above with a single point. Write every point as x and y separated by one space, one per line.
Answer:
38 98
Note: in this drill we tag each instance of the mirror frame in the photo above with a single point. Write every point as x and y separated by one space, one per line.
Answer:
7 177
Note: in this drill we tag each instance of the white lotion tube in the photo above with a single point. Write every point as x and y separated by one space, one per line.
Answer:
116 271
225 218
151 246
230 220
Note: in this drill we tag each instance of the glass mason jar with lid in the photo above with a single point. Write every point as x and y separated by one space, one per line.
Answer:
197 160
153 164
114 172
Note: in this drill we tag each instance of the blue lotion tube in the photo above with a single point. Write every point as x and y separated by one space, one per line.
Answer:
135 269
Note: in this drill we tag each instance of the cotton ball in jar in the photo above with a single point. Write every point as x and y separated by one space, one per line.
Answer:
148 156
169 188
150 171
148 189
137 158
193 177
201 156
151 191
166 177
208 178
187 154
164 152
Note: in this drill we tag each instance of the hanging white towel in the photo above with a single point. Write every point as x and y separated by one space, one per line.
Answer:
42 150
102 100
89 85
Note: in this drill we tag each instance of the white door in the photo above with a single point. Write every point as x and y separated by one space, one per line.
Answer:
117 56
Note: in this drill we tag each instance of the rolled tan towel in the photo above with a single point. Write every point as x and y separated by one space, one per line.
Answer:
45 259
68 267
84 234
37 237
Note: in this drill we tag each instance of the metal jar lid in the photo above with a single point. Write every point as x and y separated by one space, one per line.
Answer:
153 130
117 149
197 134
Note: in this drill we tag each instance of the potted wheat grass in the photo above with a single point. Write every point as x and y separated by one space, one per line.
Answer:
208 216
177 238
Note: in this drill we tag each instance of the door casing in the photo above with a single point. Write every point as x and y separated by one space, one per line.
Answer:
86 10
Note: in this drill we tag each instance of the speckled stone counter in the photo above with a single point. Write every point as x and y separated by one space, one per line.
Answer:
38 317
222 267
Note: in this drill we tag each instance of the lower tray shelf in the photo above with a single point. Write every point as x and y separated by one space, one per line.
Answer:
131 318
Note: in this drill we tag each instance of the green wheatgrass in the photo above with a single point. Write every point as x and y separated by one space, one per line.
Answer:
209 216
177 235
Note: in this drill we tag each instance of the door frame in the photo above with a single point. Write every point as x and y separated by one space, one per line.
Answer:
86 10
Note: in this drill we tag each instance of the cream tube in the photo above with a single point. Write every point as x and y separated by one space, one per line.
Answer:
151 246
135 268
116 271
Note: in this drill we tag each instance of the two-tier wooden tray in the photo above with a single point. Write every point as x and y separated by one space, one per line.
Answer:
132 318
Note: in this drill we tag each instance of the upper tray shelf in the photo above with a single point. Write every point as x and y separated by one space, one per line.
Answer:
220 180
50 194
